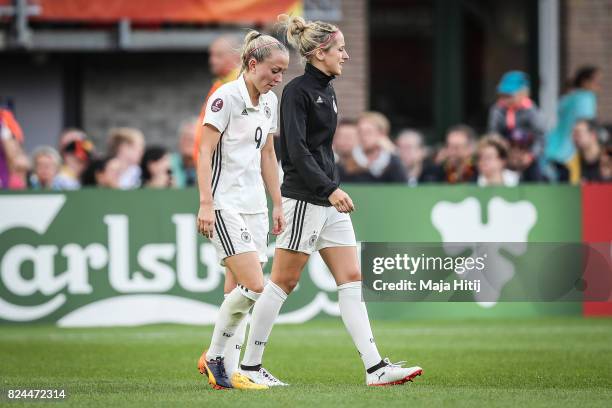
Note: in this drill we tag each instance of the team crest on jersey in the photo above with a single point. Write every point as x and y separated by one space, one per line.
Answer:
267 111
313 239
217 105
245 236
334 103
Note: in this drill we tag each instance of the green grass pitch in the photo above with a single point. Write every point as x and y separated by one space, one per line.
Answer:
534 362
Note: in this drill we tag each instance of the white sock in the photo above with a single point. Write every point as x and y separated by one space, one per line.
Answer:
262 319
232 311
355 317
234 346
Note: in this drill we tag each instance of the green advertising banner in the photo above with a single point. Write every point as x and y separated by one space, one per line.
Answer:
102 258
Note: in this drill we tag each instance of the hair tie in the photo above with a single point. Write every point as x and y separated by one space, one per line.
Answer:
324 43
261 46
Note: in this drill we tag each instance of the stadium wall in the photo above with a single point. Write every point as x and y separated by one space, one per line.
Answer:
156 92
152 92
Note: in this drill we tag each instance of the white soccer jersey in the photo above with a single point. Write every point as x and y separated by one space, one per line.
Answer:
236 162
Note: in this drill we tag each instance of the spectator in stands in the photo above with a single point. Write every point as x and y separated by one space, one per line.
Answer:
585 164
456 157
522 158
514 112
155 168
11 140
345 142
182 163
579 103
47 163
374 153
76 156
413 154
127 145
492 159
104 172
70 135
20 170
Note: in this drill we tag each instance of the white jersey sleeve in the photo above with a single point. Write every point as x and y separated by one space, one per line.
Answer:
274 121
218 110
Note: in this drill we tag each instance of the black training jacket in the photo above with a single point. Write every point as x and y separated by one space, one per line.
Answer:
308 117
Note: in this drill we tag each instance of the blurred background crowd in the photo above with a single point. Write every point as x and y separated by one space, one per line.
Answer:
125 163
516 148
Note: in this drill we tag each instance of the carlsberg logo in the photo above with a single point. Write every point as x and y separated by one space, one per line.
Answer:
113 281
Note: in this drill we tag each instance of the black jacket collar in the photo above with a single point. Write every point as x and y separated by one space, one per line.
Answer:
317 74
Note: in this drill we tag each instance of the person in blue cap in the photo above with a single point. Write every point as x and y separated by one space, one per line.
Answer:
514 115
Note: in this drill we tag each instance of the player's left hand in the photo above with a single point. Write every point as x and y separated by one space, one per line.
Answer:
278 220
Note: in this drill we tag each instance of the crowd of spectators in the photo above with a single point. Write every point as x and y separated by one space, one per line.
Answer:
516 148
126 162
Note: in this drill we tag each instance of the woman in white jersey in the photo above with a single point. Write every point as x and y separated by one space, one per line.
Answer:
315 207
236 159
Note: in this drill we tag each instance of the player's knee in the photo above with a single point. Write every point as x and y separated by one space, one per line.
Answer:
291 284
254 285
353 275
288 284
257 287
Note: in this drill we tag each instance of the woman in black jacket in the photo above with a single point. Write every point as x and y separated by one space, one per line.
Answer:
316 209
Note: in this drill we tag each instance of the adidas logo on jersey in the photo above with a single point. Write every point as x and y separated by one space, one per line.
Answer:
245 113
319 99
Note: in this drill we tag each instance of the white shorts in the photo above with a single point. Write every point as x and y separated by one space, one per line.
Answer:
237 233
313 227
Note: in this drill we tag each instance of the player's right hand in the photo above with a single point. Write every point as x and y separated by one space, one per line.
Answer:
206 220
278 220
341 201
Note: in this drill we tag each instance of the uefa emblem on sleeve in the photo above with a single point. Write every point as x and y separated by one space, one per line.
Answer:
217 105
